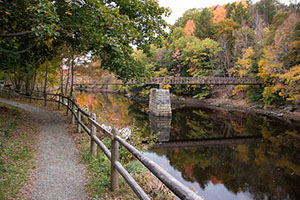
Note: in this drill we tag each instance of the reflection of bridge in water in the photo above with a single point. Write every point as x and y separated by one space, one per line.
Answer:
162 127
207 142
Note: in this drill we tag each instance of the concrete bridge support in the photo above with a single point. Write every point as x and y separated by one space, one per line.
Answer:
160 103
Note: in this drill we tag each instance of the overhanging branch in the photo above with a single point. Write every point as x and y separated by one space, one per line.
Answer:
15 34
18 52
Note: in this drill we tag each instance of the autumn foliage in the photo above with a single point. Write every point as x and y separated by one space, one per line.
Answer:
241 39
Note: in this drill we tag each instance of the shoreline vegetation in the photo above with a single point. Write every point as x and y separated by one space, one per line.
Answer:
289 114
17 141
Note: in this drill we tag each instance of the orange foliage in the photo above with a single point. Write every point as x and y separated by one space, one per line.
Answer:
188 170
189 28
215 181
219 13
87 100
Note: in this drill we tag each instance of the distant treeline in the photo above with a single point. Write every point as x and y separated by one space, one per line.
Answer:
240 39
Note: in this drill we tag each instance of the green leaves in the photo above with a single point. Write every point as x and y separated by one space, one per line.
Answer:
106 28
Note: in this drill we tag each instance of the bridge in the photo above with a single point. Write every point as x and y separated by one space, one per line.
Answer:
159 101
208 142
176 81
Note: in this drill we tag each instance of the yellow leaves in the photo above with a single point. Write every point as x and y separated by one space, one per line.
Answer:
244 65
166 86
243 153
290 84
238 89
6 12
292 75
49 43
68 12
268 67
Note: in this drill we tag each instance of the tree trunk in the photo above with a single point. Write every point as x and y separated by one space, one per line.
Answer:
45 89
62 80
67 84
72 74
32 85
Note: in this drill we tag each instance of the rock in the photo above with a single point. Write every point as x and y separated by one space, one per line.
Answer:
289 108
279 115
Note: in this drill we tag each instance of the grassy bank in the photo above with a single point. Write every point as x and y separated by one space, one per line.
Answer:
99 174
16 149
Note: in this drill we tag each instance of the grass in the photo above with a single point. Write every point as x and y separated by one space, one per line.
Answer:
99 174
16 150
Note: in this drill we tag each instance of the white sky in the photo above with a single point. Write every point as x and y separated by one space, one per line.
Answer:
178 7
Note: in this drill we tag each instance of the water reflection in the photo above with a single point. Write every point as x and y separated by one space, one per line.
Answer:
233 156
160 126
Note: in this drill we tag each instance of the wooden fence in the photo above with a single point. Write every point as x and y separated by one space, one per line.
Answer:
77 114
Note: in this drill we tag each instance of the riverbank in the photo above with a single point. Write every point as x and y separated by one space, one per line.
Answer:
288 113
228 105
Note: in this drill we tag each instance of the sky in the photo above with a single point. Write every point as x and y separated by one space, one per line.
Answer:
178 7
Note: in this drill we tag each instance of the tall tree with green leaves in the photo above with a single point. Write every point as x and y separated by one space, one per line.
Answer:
106 28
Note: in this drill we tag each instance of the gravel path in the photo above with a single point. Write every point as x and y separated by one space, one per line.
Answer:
58 174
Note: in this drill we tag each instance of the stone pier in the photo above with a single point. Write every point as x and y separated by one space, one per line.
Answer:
160 103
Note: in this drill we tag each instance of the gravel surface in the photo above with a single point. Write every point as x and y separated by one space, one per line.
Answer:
58 174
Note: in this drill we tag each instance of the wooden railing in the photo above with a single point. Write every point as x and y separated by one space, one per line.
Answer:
113 154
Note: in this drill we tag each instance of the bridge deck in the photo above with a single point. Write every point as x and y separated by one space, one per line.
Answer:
182 81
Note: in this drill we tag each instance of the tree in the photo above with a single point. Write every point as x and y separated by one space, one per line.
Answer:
244 38
107 29
189 28
243 68
289 86
238 12
204 25
201 56
226 40
266 9
202 18
269 68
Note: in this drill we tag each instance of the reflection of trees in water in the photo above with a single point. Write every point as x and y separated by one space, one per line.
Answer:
205 123
270 168
110 109
266 169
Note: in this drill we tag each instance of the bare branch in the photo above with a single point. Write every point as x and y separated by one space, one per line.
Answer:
18 52
15 34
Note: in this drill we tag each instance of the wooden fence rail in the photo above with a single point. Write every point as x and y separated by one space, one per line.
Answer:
77 113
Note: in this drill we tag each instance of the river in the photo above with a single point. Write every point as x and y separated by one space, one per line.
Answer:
218 154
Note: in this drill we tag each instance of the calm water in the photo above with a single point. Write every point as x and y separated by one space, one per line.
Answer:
219 155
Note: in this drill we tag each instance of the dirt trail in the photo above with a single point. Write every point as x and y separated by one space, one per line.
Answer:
58 174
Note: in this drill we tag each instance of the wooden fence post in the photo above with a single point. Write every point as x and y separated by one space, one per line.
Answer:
68 102
114 175
78 119
58 105
73 113
45 99
9 92
93 133
30 96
